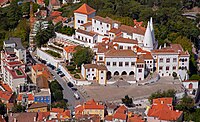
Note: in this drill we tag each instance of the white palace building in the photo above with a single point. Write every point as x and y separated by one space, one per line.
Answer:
124 50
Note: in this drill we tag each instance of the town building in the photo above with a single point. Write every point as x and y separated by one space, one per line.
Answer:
40 70
68 53
126 50
54 4
13 59
162 110
91 107
25 98
43 96
37 107
5 96
22 117
191 85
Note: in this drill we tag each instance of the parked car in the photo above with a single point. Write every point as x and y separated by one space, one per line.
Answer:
59 72
62 75
70 84
74 88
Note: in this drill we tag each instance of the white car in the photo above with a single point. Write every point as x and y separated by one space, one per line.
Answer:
76 96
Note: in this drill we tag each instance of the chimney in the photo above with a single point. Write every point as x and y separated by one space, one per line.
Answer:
162 102
177 111
165 45
106 46
11 114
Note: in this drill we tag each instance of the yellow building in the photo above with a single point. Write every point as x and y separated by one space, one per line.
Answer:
40 70
37 107
90 108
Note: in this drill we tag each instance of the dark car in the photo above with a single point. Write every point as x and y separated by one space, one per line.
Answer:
59 72
70 84
62 75
74 88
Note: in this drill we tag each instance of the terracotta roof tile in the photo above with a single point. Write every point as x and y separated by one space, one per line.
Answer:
57 110
37 105
125 40
64 115
70 49
120 116
30 97
108 118
120 53
85 32
5 95
136 118
115 31
106 20
43 115
131 30
163 100
85 9
55 13
5 86
140 59
55 2
87 24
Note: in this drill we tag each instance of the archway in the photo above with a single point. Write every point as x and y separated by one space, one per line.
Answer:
108 75
116 73
131 73
94 78
124 73
190 86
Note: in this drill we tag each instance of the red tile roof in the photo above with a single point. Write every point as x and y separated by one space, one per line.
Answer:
136 118
164 112
5 95
55 2
120 53
57 110
64 115
190 81
87 24
59 19
115 31
125 40
5 86
2 2
40 2
55 13
131 30
120 116
85 9
70 49
163 100
43 115
147 56
108 118
14 73
30 97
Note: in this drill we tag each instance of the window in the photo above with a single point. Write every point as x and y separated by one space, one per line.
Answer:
89 40
92 69
88 70
174 59
78 37
120 64
132 63
185 59
167 68
139 70
95 21
129 48
126 63
174 67
101 71
107 25
120 47
150 61
97 28
101 77
79 21
108 63
147 61
114 63
100 58
168 60
86 39
161 59
160 68
100 23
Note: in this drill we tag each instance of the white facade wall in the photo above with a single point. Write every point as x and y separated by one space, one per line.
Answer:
138 37
21 54
149 64
125 46
102 77
126 35
86 38
161 66
79 19
100 37
101 27
127 69
184 62
50 59
16 83
91 74
140 72
194 84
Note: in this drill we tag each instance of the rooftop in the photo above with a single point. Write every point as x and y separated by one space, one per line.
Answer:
99 67
5 95
85 9
125 40
23 117
70 49
37 105
86 32
120 53
28 95
16 41
106 20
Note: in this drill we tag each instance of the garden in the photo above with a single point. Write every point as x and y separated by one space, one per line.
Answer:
54 54
73 71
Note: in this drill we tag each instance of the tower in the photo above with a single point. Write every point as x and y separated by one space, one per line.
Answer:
152 30
148 38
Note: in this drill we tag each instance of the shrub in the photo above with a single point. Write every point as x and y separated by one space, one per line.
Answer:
72 72
70 68
77 76
78 70
54 54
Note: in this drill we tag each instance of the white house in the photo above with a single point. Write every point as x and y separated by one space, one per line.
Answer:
191 85
94 72
82 15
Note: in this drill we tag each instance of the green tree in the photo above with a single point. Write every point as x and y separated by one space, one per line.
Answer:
127 101
186 104
159 94
18 108
83 55
195 77
2 108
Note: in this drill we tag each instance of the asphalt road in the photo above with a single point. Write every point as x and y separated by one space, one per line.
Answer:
68 93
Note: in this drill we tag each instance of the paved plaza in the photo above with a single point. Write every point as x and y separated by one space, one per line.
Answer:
117 91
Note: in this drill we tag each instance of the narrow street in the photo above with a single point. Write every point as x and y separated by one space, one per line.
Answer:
68 93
